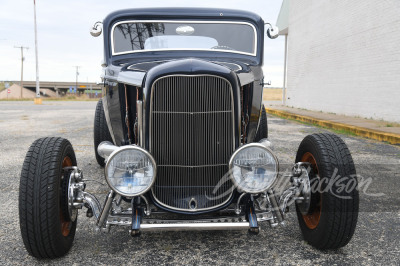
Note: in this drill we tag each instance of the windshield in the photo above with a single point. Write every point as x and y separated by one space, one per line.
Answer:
142 36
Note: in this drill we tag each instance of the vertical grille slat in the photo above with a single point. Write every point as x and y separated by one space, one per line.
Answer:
191 139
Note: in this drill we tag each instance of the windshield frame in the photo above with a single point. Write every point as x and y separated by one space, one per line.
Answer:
113 53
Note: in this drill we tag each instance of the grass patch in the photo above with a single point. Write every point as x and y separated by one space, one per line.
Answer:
65 98
272 94
71 98
341 131
16 100
392 124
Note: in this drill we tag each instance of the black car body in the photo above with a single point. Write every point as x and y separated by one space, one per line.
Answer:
130 76
182 135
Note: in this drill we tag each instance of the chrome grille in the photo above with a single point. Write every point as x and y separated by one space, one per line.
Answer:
191 139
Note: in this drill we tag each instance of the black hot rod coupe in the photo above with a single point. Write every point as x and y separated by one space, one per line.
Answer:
182 134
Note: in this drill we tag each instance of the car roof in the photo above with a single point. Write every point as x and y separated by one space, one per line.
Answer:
173 12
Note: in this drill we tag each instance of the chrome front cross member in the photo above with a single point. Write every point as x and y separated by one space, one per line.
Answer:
266 207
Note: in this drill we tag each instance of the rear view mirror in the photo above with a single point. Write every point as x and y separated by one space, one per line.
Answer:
96 30
272 31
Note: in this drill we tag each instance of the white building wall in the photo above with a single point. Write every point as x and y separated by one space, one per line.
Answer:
344 57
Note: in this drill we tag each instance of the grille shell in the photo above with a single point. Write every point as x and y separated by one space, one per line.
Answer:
192 138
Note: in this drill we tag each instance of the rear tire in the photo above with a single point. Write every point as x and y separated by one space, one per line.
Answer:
262 132
332 217
100 131
45 229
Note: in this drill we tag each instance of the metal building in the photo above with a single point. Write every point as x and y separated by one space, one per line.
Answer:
343 56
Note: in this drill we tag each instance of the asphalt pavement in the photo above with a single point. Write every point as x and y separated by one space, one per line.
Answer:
376 239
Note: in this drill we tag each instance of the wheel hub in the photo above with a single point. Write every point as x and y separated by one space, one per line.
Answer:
313 215
305 190
67 197
72 211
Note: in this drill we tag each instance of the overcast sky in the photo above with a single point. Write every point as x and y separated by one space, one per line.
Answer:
64 40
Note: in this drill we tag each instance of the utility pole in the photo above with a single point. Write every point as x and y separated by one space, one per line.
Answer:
87 86
37 99
22 65
77 74
91 89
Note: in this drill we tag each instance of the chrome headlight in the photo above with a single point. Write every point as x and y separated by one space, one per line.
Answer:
130 171
253 168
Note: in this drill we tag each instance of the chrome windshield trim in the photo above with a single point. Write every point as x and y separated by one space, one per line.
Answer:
184 49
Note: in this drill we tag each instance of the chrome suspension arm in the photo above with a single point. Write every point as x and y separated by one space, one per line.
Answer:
300 191
93 202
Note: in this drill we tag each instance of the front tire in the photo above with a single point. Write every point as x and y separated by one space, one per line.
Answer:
100 131
332 216
46 230
262 132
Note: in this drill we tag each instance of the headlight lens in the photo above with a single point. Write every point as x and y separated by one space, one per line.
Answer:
253 168
130 171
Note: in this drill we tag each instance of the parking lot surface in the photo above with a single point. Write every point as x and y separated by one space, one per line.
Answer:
376 239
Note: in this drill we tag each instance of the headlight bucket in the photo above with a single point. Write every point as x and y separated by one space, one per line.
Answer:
253 168
130 171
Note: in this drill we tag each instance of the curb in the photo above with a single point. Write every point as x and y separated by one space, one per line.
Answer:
359 131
